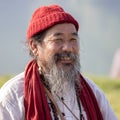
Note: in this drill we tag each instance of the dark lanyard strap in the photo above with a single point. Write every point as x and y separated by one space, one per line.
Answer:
78 101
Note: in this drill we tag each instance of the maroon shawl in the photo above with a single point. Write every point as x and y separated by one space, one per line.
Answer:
36 105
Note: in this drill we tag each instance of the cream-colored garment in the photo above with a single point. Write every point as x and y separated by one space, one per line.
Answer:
12 101
70 100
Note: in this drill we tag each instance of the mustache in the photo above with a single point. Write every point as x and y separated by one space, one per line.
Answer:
58 56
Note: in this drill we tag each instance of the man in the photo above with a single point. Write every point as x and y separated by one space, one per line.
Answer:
52 88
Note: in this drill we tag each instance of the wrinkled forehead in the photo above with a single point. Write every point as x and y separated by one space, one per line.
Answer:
62 29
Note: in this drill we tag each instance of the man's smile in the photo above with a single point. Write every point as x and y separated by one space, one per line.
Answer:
66 60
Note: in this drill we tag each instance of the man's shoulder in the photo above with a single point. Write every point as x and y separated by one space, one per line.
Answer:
13 87
14 82
95 88
11 98
91 83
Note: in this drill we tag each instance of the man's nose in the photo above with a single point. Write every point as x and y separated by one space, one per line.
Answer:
67 46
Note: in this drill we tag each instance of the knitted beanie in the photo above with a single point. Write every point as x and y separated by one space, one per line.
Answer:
47 16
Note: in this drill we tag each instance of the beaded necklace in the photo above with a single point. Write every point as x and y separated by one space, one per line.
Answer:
62 100
55 114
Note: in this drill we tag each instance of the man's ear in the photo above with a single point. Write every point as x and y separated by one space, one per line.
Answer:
34 47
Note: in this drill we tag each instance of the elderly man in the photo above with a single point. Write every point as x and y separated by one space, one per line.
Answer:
51 87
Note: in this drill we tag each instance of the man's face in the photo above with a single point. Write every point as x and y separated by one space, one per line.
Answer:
59 44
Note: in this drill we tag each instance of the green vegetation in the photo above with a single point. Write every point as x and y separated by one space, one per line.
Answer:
110 86
3 79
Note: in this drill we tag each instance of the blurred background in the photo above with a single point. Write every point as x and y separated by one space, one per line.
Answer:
99 40
99 32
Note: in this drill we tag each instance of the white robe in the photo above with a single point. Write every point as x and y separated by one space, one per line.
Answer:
12 101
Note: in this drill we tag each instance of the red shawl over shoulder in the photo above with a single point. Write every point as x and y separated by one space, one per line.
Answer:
36 106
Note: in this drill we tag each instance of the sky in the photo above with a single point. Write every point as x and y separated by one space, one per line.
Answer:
99 32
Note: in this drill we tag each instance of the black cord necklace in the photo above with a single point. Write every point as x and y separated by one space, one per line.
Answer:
81 115
77 89
78 101
67 107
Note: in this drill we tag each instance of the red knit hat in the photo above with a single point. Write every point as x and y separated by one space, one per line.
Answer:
47 16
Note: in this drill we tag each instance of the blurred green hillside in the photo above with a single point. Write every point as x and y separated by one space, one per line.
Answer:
4 79
109 86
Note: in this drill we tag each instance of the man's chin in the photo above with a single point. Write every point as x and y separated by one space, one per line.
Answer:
64 66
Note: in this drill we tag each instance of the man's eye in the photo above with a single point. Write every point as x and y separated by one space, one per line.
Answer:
73 39
58 40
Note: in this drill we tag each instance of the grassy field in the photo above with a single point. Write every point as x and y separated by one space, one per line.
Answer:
3 79
109 86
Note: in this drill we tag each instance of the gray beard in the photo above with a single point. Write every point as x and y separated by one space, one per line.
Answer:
60 80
